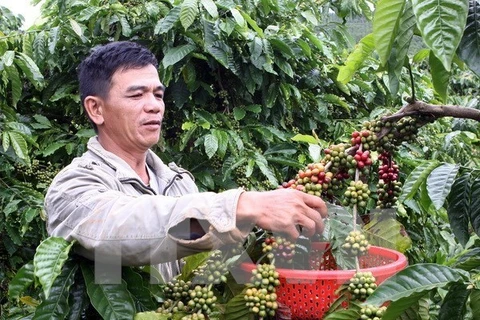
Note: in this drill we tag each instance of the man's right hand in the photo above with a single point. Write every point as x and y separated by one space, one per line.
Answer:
282 211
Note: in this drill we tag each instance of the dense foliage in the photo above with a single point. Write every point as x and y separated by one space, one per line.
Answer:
256 91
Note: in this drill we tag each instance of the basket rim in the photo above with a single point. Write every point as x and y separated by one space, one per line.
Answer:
399 263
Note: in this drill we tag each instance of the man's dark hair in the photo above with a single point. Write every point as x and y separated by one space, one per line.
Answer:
96 71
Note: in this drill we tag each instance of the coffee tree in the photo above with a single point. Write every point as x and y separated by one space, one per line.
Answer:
257 91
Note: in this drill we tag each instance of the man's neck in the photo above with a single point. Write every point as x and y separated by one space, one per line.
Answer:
135 159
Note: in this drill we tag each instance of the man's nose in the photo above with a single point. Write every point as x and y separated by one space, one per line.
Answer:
153 104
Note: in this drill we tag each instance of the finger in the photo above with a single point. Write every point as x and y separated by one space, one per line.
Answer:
317 203
309 226
291 232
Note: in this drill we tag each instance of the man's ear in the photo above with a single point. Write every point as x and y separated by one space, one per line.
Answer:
94 107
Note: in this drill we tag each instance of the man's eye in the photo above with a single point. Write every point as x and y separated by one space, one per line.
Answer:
159 96
136 95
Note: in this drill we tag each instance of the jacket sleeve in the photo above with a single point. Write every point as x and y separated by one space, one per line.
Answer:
84 207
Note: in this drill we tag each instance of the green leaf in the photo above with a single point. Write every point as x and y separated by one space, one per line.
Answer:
454 303
164 25
388 233
252 24
21 281
468 260
19 145
362 51
416 178
126 29
415 279
236 309
475 206
343 315
440 77
188 12
222 138
78 298
262 164
458 208
8 58
441 24
15 83
112 301
305 138
239 113
211 8
400 47
385 23
237 16
174 55
41 119
5 141
49 259
219 51
76 28
192 262
439 183
56 305
211 145
30 69
51 148
469 47
475 304
336 100
282 46
140 292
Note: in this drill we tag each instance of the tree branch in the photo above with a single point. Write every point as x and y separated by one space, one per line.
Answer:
419 108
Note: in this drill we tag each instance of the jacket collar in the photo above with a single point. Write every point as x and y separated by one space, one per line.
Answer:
122 169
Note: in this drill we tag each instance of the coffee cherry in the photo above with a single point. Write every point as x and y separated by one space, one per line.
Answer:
371 312
260 294
362 285
356 244
281 248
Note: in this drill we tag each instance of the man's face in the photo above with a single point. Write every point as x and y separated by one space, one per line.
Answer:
133 110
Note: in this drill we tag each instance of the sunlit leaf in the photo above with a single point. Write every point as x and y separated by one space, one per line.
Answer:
385 24
415 279
355 60
416 178
51 255
441 24
439 183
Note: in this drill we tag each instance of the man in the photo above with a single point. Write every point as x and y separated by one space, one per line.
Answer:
120 200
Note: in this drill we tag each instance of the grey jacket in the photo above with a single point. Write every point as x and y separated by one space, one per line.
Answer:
102 204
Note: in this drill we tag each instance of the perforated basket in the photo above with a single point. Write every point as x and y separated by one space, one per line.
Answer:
309 293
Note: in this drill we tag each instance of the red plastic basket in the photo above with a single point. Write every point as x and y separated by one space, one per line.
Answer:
309 293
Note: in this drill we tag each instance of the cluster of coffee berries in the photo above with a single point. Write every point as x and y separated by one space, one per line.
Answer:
38 174
170 307
362 285
388 186
260 296
194 316
213 271
356 244
177 289
184 296
362 159
357 193
202 299
279 248
371 312
336 156
313 179
364 138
